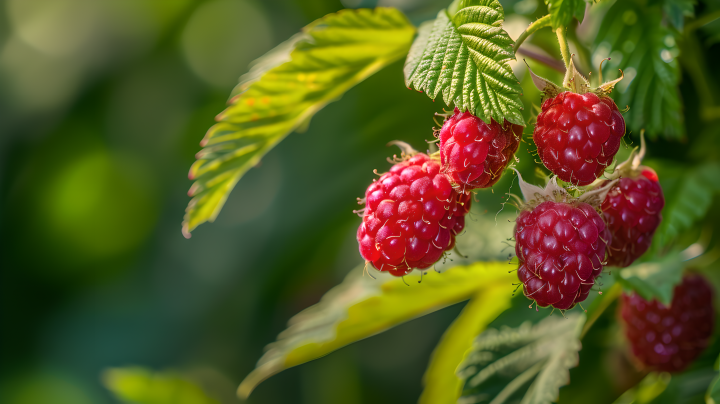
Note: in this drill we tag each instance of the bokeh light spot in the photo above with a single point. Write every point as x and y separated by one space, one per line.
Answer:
222 38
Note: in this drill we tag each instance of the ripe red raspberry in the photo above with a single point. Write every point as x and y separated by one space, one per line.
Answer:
561 249
578 135
474 154
411 217
632 211
670 338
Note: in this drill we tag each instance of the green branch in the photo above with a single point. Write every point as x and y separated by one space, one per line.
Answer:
564 48
540 23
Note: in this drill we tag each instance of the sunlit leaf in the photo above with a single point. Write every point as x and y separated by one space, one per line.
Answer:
464 54
563 11
134 385
689 202
638 42
361 307
441 383
284 89
645 392
528 364
655 279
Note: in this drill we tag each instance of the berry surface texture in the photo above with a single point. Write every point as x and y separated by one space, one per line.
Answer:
411 217
561 248
578 135
632 210
670 338
474 154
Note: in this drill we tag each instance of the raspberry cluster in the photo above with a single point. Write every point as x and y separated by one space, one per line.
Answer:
669 338
411 217
632 211
561 248
474 154
578 135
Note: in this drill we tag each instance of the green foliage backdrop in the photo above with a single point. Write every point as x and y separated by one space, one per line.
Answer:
103 105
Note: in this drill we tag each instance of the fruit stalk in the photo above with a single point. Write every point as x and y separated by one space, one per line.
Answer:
564 47
540 23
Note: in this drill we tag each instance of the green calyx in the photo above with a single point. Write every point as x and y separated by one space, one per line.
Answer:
574 82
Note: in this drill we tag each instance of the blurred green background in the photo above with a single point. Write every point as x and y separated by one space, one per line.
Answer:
102 106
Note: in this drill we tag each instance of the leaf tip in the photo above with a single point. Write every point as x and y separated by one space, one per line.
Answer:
186 231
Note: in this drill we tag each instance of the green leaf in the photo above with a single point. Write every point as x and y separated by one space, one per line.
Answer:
284 89
464 54
441 383
647 390
563 11
134 385
677 10
638 43
528 364
689 203
361 307
713 393
653 280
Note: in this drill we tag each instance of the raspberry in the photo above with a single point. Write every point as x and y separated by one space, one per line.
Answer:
670 338
578 135
561 248
411 217
632 211
473 153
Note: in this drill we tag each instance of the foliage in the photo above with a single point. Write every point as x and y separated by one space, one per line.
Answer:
647 390
563 11
136 385
689 202
362 306
441 383
332 55
713 393
653 279
646 50
464 54
531 362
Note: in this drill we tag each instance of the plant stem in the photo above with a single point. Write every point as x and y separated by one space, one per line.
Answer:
606 301
540 23
564 48
704 20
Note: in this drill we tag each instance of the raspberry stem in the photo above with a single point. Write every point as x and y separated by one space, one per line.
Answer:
564 47
540 23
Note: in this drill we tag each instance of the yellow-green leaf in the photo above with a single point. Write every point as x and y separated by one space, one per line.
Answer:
135 385
441 383
361 307
283 91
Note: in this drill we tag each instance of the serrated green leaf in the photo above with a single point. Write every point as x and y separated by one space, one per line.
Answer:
441 383
689 203
638 43
135 385
464 55
361 307
653 280
563 11
528 364
284 89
